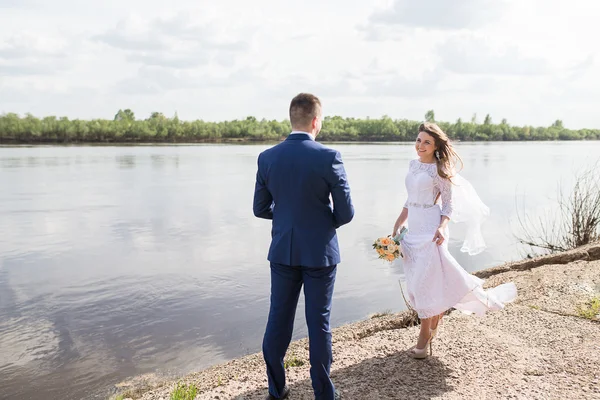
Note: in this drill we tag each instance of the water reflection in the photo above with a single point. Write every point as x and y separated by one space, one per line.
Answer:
125 161
162 160
11 162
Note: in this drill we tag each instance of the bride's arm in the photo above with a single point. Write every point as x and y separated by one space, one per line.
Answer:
444 223
400 221
445 188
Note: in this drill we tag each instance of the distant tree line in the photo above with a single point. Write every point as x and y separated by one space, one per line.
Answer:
125 128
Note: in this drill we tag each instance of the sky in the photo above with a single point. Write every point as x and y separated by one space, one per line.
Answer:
529 61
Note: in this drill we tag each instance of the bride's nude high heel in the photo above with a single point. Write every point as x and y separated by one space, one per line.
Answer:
422 353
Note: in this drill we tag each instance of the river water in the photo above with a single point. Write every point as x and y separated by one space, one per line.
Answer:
122 260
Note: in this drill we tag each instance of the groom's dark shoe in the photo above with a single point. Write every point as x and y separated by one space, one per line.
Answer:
284 395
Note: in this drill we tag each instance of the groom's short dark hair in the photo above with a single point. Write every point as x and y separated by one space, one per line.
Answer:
303 108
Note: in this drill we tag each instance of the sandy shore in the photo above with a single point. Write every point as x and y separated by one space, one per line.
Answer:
539 347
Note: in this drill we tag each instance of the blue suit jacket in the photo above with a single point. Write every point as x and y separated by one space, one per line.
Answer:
293 186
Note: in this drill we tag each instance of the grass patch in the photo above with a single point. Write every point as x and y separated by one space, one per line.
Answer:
134 394
534 307
293 361
184 392
591 309
381 314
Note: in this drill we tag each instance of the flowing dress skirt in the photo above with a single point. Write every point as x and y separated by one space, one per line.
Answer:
435 281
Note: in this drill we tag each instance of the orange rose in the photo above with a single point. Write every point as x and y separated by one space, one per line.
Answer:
390 257
386 241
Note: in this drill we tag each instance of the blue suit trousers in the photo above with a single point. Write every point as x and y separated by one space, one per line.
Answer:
286 283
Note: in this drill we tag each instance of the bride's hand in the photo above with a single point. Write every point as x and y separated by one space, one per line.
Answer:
396 230
439 237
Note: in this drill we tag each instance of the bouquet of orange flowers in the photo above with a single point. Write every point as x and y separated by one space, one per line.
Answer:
388 247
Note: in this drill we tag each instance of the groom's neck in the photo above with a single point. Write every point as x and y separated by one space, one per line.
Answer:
310 131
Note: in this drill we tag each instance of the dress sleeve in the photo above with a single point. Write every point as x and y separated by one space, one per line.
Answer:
410 166
445 188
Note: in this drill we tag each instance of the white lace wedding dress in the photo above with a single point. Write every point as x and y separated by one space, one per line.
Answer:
435 281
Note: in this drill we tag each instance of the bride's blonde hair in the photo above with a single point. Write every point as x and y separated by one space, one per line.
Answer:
446 157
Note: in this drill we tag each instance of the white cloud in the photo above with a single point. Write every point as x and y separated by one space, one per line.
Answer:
403 15
31 54
531 62
157 80
477 54
12 3
170 60
177 41
27 45
382 81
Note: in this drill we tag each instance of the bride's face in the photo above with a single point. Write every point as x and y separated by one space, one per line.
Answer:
425 145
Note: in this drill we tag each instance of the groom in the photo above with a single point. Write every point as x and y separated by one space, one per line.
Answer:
294 182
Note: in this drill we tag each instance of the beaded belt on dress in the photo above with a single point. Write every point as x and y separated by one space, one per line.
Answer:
419 205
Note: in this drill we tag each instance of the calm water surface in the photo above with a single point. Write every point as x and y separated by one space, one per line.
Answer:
117 261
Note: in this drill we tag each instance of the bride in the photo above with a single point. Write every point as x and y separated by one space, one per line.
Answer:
435 281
